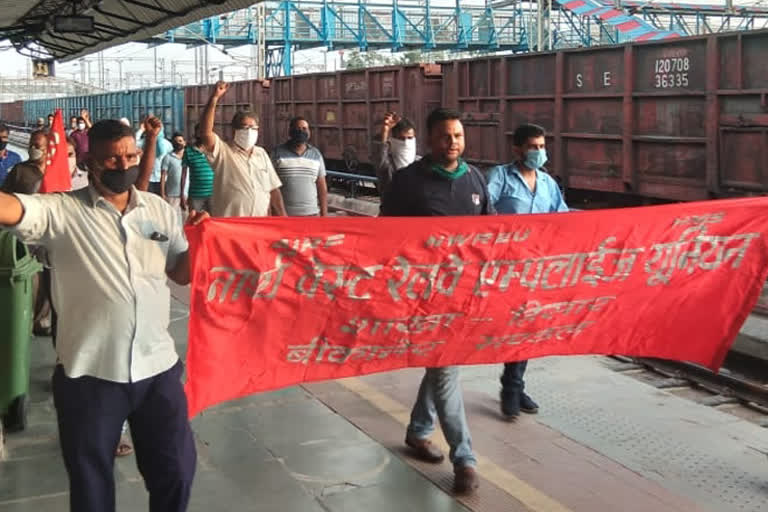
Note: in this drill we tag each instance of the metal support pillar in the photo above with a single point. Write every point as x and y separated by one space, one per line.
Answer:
493 36
205 65
362 33
287 40
397 29
544 25
429 34
261 45
326 25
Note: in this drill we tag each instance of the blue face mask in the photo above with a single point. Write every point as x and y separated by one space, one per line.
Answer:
535 158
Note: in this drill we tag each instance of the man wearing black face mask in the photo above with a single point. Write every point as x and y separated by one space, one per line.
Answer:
112 248
173 177
301 169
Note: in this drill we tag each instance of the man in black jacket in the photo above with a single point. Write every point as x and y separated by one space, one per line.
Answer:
441 184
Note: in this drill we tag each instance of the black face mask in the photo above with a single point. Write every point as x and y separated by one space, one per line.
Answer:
118 181
299 136
3 144
177 147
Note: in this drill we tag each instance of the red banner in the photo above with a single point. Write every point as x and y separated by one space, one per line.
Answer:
279 301
57 177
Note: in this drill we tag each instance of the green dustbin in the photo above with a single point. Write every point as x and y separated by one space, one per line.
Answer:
17 270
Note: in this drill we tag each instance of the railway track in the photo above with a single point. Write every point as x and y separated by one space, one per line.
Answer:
738 389
349 212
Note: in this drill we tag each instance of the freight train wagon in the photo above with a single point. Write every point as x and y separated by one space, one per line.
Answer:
345 108
681 120
246 95
12 112
165 102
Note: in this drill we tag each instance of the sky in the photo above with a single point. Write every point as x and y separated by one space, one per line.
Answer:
137 62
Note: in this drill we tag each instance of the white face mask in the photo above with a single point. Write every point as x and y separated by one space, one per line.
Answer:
246 138
403 151
36 154
72 164
81 126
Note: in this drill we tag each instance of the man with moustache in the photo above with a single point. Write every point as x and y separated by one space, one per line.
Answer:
441 184
112 249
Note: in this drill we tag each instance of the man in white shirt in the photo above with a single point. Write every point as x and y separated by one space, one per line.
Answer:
112 249
245 183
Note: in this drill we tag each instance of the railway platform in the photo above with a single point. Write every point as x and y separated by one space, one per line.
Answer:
603 441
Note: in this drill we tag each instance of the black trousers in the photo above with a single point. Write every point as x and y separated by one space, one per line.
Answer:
91 413
512 378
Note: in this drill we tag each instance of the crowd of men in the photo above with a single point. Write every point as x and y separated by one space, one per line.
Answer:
117 237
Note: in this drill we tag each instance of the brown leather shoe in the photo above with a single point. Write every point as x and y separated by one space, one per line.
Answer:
424 450
465 480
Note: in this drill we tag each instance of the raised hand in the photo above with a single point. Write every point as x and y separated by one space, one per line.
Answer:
390 120
153 126
220 89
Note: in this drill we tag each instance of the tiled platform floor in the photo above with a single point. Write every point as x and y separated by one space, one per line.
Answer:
602 442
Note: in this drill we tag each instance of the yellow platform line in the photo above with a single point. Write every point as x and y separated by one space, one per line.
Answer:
526 494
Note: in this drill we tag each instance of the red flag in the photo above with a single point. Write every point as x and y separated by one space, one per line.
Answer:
57 177
275 302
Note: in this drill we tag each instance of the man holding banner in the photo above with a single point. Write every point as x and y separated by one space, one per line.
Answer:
441 184
112 249
523 187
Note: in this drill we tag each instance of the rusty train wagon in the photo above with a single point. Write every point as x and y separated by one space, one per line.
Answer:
12 112
346 107
246 95
677 120
681 120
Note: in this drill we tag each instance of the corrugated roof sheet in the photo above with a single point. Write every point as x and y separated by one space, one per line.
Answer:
116 21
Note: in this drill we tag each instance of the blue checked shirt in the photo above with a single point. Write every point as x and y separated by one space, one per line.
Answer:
7 162
510 194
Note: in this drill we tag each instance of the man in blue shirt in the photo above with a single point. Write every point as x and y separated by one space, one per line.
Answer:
7 158
523 187
163 148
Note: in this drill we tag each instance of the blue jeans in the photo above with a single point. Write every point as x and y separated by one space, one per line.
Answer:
440 394
512 378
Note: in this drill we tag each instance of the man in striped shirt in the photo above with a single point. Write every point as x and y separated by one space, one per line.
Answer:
301 169
200 175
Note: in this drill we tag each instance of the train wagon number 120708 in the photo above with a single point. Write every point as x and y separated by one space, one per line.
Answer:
672 72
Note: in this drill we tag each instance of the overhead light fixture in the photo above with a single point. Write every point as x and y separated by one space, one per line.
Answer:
73 24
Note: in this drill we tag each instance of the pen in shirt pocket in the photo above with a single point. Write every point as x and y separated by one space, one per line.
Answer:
158 237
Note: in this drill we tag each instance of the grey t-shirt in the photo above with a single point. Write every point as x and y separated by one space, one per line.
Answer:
172 165
299 175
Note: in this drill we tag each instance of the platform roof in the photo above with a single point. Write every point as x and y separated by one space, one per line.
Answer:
28 24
